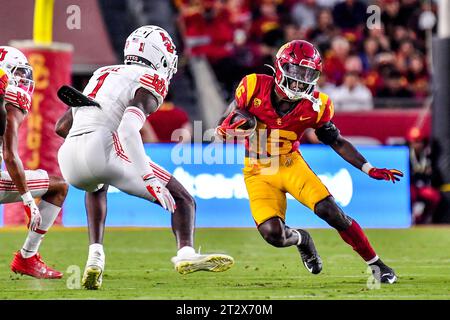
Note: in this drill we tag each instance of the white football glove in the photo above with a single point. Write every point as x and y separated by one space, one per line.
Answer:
160 193
32 211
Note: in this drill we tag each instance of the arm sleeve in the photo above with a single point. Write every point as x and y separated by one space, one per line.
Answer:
132 121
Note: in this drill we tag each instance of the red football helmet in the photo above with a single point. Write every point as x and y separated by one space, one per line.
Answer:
298 66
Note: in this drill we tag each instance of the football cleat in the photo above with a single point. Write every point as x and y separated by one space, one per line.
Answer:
203 262
308 253
383 273
34 267
92 277
93 273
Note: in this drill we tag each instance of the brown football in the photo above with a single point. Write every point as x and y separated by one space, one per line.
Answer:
240 114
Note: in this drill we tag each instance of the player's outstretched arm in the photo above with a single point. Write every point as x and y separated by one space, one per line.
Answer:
12 160
63 125
329 134
133 119
15 167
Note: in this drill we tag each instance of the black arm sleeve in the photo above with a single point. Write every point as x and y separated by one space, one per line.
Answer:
328 133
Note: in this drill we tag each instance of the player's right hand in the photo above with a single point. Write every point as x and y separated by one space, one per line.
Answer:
229 129
34 215
160 193
3 82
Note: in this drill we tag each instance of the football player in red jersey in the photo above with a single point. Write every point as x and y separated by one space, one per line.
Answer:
17 86
285 105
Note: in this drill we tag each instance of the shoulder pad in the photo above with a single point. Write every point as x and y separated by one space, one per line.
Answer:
245 90
18 98
154 83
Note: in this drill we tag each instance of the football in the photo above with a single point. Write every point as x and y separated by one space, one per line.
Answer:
250 123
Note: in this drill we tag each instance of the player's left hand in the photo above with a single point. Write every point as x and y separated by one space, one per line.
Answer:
385 174
160 193
33 214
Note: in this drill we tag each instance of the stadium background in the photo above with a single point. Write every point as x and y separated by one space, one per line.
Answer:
219 41
388 67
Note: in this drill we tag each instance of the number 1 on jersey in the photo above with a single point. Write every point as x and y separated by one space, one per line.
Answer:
100 82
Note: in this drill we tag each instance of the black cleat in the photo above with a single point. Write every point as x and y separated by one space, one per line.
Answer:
383 273
308 252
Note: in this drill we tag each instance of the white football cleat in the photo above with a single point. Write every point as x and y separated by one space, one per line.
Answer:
93 273
213 262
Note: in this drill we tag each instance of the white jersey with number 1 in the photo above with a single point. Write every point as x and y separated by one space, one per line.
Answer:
92 154
114 87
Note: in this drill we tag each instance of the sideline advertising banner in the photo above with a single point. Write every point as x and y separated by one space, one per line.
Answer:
213 175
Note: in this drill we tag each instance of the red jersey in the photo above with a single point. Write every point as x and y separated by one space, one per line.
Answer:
277 135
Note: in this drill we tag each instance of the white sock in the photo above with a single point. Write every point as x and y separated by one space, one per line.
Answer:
375 259
31 245
49 212
96 255
185 252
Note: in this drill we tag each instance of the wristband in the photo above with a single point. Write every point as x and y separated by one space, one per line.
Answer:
27 197
366 167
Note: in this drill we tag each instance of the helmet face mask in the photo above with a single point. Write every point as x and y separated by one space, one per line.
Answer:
152 46
22 77
298 81
19 71
297 69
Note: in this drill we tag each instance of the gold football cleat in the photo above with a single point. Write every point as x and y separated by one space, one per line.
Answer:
203 262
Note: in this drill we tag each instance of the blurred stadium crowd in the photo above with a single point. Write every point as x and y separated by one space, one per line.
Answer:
387 61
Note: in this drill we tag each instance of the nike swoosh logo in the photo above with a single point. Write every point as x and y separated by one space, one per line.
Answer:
304 118
309 269
391 280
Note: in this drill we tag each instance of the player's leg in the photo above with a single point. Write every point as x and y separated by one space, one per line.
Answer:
276 233
53 191
96 204
183 219
351 233
310 191
83 160
122 175
268 207
183 222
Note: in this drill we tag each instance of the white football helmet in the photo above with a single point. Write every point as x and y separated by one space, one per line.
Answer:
152 47
20 73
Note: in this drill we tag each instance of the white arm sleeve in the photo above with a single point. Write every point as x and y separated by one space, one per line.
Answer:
132 121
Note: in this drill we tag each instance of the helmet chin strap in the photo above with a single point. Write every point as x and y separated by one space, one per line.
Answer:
316 103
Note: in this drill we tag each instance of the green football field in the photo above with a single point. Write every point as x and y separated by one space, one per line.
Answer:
138 266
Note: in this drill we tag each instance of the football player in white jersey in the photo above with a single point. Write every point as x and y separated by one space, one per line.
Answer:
17 184
4 79
104 147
